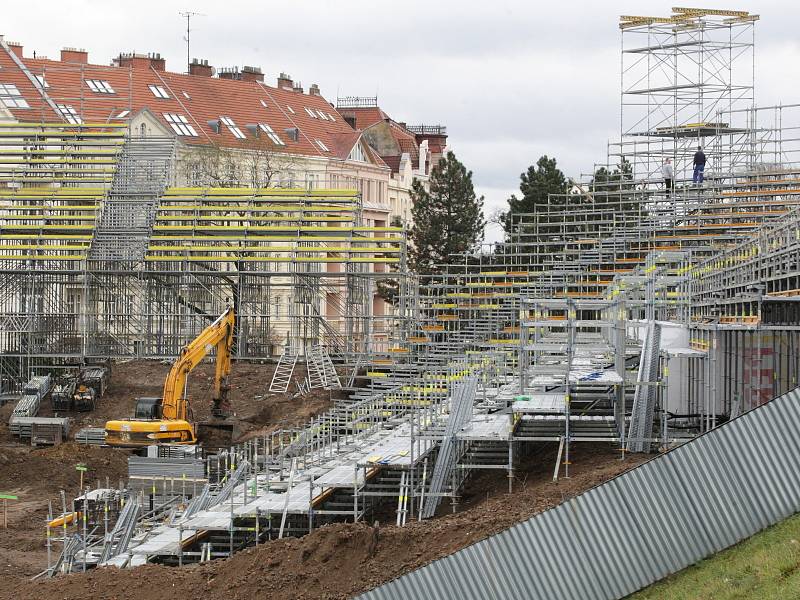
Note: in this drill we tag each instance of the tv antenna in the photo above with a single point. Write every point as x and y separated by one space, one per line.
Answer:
188 14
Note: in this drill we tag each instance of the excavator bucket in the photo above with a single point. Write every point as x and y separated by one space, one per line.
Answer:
216 434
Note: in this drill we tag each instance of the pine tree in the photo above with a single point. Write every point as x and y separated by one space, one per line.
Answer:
448 219
536 185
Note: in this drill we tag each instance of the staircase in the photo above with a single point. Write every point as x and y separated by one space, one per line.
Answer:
129 210
644 401
462 400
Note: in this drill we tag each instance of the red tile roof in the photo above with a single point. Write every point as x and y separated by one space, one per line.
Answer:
245 102
364 117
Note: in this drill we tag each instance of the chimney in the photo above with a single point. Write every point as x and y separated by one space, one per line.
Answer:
298 87
201 68
74 55
16 48
141 61
252 74
230 73
285 81
314 90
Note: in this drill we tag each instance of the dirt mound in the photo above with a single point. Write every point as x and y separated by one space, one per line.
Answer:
342 560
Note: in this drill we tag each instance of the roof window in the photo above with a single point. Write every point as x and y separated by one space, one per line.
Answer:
69 113
100 86
310 112
228 122
11 96
322 146
271 134
158 91
180 124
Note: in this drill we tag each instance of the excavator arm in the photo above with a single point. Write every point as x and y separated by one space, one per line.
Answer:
169 424
218 335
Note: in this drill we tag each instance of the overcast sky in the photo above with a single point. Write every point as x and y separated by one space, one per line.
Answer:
512 80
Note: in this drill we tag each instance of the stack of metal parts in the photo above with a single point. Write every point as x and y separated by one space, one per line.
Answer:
460 412
35 390
91 436
23 417
148 472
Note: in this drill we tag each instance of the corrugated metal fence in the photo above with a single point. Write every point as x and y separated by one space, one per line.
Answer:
632 531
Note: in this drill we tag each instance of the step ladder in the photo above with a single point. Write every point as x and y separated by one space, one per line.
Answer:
282 376
321 372
315 368
332 381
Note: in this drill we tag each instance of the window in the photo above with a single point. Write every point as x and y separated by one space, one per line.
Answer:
11 97
357 153
123 114
100 86
180 124
310 113
271 134
322 146
237 133
158 91
186 95
330 116
264 104
42 81
322 115
69 113
290 109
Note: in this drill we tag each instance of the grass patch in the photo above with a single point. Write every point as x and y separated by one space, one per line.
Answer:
765 566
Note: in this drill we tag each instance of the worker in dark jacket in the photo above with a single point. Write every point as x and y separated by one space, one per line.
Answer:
699 165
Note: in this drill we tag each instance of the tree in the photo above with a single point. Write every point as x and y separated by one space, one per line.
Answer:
606 194
389 288
253 163
536 185
448 219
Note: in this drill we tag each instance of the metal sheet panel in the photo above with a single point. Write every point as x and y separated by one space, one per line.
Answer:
637 528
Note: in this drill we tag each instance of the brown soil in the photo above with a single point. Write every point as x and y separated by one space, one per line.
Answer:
38 476
336 561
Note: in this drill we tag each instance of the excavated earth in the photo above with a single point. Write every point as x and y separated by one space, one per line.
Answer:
37 476
341 560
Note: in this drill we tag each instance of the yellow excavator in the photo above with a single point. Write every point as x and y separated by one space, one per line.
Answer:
166 420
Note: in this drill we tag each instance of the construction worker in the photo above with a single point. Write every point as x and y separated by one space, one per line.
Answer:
669 174
699 165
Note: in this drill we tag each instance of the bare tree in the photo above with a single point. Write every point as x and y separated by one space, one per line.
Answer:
255 162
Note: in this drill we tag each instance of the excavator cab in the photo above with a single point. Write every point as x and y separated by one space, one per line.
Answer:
148 408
